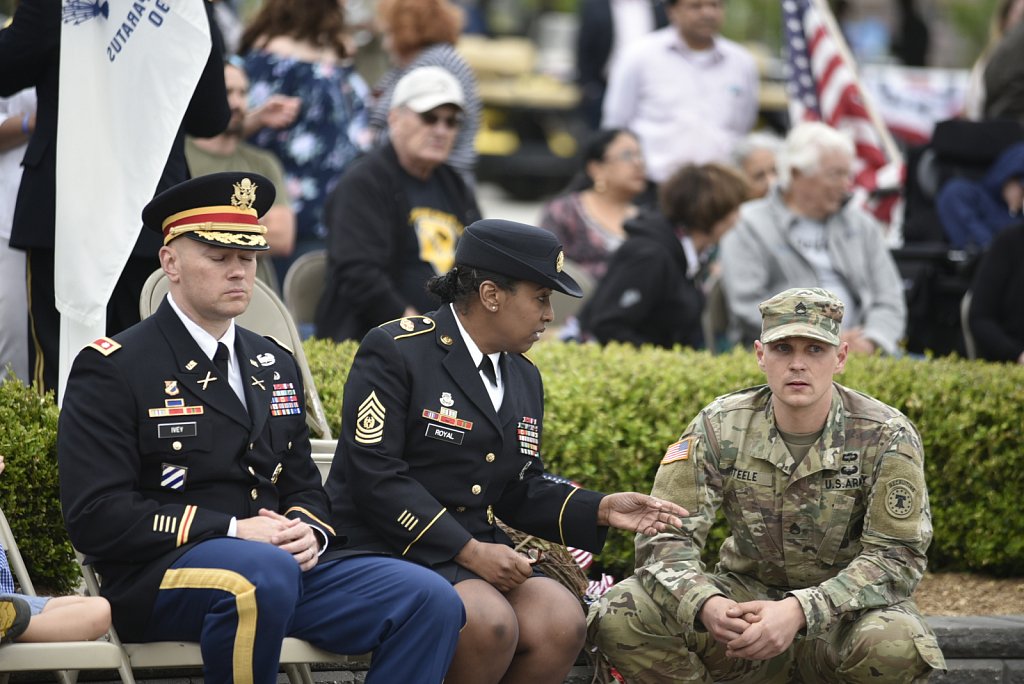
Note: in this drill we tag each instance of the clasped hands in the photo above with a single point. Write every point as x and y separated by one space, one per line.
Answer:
289 534
754 630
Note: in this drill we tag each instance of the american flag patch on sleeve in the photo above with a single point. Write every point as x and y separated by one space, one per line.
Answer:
680 451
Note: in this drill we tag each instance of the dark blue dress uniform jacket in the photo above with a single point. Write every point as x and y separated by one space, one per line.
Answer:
424 461
138 487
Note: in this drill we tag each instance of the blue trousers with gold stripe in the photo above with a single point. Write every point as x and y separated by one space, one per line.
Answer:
240 598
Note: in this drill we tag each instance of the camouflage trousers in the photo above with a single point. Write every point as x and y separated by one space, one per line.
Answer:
648 645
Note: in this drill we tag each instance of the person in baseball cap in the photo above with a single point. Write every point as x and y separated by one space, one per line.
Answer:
425 88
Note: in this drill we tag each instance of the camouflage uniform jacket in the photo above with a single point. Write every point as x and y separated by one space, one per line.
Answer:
844 530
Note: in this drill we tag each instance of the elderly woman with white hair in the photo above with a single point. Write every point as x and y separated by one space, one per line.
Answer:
755 155
805 233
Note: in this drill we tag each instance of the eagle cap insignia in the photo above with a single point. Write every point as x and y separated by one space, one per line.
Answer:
560 261
245 194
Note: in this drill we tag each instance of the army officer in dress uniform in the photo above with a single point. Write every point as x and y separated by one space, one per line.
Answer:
441 430
186 475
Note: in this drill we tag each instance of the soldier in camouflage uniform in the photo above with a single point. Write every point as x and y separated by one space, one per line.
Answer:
824 491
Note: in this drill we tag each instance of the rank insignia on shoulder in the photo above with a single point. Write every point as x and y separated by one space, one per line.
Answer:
409 326
105 346
680 451
370 420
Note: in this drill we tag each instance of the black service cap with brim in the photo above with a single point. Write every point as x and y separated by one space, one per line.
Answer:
516 250
220 209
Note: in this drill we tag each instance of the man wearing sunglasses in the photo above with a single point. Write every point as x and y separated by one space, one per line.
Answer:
396 215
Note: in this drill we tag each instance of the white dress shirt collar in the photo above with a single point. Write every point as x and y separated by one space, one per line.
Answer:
497 393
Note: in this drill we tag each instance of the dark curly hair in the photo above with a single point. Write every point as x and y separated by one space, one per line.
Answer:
459 285
319 22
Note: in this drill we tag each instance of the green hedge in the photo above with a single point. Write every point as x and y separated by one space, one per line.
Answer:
29 486
610 414
611 411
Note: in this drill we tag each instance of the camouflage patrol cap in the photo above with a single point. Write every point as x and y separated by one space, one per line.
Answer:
802 312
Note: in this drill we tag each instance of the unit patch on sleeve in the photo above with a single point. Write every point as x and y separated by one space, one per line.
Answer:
899 497
370 420
680 451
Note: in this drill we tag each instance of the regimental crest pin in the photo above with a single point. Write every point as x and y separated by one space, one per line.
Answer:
277 376
171 388
370 420
446 399
266 359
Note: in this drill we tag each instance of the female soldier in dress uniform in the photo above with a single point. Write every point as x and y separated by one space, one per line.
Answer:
441 430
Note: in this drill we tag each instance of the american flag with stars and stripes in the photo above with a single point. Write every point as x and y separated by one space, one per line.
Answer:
823 87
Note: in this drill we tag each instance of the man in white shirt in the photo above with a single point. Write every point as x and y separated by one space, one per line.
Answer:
688 93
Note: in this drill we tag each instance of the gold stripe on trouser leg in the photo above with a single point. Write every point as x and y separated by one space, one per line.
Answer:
245 605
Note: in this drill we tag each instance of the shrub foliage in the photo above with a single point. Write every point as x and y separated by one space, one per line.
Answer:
29 486
610 413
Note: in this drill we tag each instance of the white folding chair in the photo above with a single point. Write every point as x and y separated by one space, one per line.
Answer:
65 658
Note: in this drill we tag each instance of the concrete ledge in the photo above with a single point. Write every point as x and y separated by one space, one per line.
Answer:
978 649
980 637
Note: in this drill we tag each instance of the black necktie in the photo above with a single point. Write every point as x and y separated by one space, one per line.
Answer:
487 368
220 359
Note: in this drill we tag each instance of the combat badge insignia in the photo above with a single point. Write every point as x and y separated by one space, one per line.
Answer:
680 451
370 420
899 497
105 346
171 388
